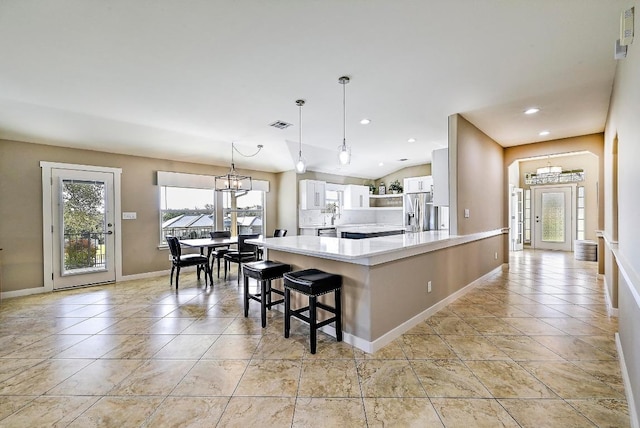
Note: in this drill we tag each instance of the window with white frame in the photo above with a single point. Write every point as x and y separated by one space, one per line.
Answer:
580 214
527 216
243 212
186 213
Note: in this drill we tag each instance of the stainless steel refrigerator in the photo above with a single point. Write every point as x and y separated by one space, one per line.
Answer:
419 212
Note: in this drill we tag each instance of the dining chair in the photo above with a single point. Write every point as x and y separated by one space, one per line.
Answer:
178 260
218 253
278 233
245 253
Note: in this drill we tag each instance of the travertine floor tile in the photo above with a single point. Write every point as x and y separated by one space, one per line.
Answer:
448 378
49 412
188 412
329 412
545 414
153 377
211 378
569 381
243 412
117 412
329 378
604 412
401 413
388 378
270 378
506 379
477 413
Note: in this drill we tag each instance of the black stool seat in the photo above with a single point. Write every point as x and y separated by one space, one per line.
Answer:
264 271
313 283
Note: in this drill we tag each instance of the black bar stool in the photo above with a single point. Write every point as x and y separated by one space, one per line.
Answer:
264 272
313 283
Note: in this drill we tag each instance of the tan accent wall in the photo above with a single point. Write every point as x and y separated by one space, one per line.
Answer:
287 202
593 143
21 207
480 182
587 161
379 298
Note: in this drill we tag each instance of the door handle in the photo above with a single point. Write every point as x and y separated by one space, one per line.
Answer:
109 232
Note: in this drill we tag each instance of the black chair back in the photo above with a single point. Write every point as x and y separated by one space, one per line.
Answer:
174 247
246 248
220 234
279 233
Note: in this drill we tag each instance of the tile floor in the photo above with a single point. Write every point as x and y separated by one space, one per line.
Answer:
531 347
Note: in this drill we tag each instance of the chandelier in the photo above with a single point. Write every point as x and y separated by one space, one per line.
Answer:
232 181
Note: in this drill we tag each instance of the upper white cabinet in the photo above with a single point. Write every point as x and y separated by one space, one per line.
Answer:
440 174
356 196
312 194
418 184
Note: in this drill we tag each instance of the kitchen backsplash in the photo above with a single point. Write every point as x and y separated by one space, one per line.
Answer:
317 217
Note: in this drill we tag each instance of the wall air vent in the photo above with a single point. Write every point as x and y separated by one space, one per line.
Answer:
280 124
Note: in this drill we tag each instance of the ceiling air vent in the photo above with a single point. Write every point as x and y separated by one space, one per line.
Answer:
280 124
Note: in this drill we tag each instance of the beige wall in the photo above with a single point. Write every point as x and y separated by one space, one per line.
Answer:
587 161
287 217
623 124
592 143
21 207
477 179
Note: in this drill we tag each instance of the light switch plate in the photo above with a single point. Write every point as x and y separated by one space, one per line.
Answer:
466 213
129 215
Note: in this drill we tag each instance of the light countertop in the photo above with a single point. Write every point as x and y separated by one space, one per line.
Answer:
371 251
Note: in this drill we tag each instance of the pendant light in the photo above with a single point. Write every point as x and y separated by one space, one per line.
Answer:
232 181
301 165
344 151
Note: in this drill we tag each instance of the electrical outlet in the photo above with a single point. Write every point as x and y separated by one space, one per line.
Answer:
429 287
495 256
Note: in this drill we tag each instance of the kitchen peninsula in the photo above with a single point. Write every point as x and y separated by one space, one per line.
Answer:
391 283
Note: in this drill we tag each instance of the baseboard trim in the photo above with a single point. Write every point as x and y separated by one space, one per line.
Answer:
24 292
390 336
145 275
613 311
633 416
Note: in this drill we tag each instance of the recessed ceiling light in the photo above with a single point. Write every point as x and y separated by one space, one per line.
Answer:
411 140
543 133
365 121
532 110
381 164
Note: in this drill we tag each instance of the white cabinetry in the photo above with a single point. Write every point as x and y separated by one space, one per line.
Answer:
312 194
356 196
440 174
418 184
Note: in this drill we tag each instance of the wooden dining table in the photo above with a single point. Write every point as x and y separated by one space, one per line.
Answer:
210 244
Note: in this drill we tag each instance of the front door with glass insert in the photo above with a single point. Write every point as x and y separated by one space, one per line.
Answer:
83 232
552 220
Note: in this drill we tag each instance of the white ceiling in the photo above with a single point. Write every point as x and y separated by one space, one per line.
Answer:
181 79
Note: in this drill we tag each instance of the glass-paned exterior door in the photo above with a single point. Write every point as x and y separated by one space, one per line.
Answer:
82 228
553 228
